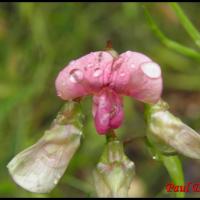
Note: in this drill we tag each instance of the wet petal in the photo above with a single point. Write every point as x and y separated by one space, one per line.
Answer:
107 110
84 76
136 75
39 167
172 131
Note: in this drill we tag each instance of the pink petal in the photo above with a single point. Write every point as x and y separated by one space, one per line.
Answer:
84 76
136 75
107 110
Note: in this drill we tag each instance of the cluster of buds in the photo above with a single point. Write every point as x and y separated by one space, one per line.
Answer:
107 77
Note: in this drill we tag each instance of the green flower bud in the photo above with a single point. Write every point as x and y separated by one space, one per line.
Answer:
39 167
114 172
169 134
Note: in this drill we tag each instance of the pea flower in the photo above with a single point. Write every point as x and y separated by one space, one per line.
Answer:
108 76
169 133
39 167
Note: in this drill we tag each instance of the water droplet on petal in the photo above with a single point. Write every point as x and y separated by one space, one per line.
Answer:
122 74
63 83
76 76
97 72
90 65
132 66
55 181
59 176
151 69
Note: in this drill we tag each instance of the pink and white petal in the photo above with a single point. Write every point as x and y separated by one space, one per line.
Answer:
107 111
117 114
84 76
136 75
70 83
101 112
97 68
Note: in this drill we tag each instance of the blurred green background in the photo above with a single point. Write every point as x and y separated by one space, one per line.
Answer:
38 39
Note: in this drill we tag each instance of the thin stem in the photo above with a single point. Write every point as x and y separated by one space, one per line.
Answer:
175 170
110 136
170 43
172 164
186 23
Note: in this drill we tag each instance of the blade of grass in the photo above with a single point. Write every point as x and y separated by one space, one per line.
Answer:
186 23
170 43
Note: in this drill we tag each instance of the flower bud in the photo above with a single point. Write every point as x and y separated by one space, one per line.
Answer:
114 172
39 167
169 133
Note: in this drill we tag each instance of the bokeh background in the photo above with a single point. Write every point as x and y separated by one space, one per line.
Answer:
38 39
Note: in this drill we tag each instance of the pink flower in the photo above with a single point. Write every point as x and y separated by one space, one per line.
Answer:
108 78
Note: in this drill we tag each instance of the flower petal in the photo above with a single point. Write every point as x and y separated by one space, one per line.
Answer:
39 167
107 110
136 75
84 76
172 131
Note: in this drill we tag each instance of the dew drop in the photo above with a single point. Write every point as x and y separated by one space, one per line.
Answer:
89 65
97 72
151 69
59 176
155 157
132 66
129 164
122 74
63 83
55 181
76 76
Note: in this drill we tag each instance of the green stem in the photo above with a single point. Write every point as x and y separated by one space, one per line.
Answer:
186 23
172 164
174 168
110 136
170 43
